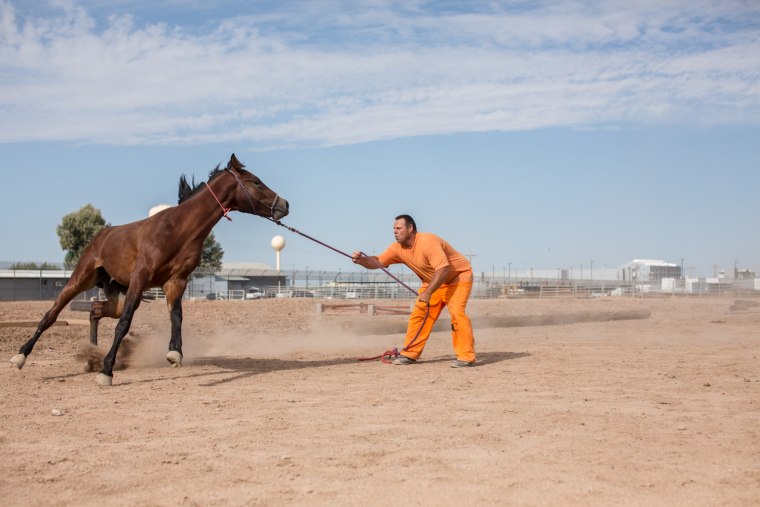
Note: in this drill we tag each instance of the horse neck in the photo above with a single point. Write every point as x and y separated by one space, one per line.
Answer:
202 210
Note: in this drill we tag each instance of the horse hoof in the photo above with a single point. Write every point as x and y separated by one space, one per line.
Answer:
18 360
174 358
103 380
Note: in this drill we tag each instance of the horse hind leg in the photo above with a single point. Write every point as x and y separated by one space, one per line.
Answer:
131 303
112 308
83 278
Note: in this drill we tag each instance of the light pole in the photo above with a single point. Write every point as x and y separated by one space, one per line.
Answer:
509 280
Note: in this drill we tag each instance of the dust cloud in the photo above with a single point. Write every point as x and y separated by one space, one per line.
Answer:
321 339
344 337
148 350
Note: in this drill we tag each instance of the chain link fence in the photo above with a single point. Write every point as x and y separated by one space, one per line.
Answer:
251 284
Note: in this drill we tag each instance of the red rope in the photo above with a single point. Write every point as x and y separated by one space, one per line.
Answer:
386 357
224 210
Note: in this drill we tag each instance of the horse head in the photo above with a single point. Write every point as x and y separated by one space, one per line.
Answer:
253 196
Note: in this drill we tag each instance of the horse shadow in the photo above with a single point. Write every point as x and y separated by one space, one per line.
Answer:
239 368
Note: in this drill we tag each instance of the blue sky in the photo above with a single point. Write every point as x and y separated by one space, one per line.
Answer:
541 134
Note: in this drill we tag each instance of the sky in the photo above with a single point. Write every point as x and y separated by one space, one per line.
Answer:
542 135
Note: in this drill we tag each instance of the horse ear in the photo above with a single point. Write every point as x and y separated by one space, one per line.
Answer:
234 163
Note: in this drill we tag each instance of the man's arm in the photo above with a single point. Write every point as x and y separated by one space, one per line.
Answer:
366 261
438 278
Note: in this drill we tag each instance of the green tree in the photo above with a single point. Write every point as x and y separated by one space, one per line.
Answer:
211 258
77 230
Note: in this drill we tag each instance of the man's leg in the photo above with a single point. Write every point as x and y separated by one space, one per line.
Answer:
420 326
462 337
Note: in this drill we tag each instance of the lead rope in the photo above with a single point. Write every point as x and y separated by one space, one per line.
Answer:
385 356
291 229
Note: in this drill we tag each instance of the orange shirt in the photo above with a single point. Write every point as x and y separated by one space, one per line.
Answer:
428 254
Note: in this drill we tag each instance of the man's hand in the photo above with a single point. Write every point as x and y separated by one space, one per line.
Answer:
438 278
368 262
424 296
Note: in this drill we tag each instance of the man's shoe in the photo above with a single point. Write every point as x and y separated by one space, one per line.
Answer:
404 360
458 363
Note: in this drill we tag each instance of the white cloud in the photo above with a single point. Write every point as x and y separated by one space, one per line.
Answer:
383 70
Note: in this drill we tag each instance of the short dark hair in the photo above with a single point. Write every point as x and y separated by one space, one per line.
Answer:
409 221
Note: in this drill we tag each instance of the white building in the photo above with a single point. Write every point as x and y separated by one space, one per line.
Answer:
650 270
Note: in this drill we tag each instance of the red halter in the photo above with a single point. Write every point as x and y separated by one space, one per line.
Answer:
224 210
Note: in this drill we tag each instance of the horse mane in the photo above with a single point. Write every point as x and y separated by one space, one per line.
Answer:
187 190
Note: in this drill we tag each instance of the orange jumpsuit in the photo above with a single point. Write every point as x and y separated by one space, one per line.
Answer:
428 254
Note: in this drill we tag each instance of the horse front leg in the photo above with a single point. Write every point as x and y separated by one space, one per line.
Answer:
174 291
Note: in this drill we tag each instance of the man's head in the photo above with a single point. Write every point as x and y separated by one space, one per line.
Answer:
404 229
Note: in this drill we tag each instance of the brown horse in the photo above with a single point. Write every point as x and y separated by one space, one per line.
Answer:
160 251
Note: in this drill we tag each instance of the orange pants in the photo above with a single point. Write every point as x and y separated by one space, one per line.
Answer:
455 296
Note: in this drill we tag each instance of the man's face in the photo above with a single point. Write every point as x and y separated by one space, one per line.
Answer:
401 231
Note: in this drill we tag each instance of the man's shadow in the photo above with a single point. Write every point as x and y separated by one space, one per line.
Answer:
248 367
486 358
239 368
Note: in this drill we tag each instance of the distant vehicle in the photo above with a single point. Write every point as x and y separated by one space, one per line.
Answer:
213 296
302 294
254 293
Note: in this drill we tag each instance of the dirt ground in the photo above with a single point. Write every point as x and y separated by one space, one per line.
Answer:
272 408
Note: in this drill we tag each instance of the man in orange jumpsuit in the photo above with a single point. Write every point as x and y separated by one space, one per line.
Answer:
446 277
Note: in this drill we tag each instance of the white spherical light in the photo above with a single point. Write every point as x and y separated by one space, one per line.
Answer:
278 243
158 208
